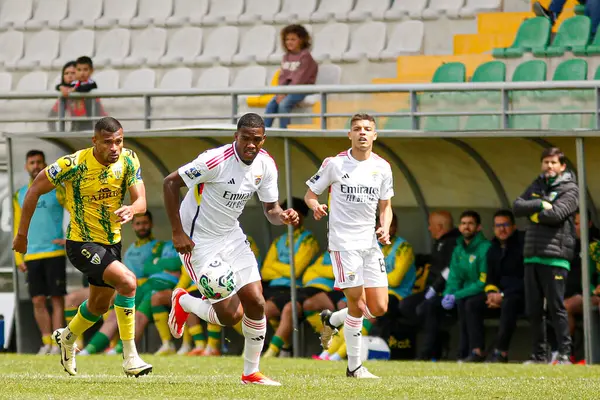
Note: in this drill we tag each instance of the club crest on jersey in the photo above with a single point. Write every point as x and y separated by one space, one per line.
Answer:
193 173
257 179
117 171
95 259
472 258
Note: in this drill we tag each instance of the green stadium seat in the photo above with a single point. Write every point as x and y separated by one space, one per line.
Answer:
569 70
566 122
483 122
442 123
533 122
398 123
579 9
573 32
452 72
491 71
529 71
533 33
590 50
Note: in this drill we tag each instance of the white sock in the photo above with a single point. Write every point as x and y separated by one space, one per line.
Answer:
335 357
352 328
202 308
338 317
254 335
367 313
70 337
129 349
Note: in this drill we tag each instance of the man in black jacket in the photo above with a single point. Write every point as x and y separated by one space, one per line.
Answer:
550 204
504 288
445 235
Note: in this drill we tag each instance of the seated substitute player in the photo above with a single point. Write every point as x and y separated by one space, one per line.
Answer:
207 234
96 180
360 181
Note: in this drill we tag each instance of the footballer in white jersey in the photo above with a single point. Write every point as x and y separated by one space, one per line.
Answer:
213 248
359 182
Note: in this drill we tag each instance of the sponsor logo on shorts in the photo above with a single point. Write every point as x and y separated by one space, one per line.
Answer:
54 170
193 173
351 277
95 259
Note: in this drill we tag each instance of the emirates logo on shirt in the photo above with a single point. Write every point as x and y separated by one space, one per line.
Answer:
237 201
360 194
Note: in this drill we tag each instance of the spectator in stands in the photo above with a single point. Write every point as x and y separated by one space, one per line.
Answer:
574 289
550 203
592 10
67 81
466 278
88 107
444 236
297 68
44 265
504 288
276 268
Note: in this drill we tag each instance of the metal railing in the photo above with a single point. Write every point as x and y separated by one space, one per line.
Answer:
505 110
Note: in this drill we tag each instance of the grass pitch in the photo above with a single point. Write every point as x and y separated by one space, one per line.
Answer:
101 377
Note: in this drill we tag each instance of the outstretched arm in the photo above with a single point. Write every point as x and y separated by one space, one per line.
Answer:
277 216
41 185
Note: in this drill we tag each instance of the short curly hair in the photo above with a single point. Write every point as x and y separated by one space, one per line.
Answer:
302 34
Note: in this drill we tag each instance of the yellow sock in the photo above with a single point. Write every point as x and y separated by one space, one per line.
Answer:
274 322
314 319
107 314
83 320
114 341
198 335
187 337
342 351
336 342
238 328
214 336
46 340
161 321
70 313
125 310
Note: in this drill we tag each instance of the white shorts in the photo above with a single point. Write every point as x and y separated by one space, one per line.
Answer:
233 249
353 268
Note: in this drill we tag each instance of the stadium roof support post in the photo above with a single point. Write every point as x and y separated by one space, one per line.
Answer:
412 183
290 232
585 273
487 169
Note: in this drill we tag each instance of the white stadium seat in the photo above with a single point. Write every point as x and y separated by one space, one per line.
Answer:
258 42
176 79
293 11
214 78
5 81
368 40
184 11
218 10
221 45
329 74
116 12
473 7
47 12
114 46
364 9
437 8
254 76
402 9
148 46
331 42
183 47
41 46
36 81
107 80
15 12
406 39
256 10
11 43
81 13
328 8
152 12
77 43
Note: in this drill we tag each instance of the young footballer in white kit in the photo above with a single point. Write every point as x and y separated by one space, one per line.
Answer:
359 182
207 233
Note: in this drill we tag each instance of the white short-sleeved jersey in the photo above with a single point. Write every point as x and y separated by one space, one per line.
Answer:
219 185
355 190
